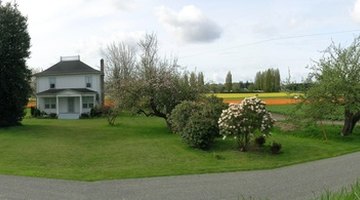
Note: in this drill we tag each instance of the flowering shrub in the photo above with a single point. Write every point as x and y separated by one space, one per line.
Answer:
242 121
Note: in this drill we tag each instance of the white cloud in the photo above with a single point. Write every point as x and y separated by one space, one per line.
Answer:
189 24
355 13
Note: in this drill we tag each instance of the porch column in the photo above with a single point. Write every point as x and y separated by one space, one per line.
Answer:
94 97
37 102
80 104
57 105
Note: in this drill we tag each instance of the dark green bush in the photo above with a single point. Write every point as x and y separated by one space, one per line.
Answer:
199 132
215 107
35 112
275 148
84 116
52 116
260 141
217 104
196 122
99 111
181 113
32 110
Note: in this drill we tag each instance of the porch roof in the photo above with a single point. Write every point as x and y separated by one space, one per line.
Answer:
55 91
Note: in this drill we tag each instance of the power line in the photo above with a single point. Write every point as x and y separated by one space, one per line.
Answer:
275 39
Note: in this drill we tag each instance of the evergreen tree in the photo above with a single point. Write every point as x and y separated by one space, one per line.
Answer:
268 80
228 82
201 81
186 79
14 74
193 81
277 80
257 81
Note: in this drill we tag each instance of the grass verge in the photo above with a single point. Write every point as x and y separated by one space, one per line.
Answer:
352 193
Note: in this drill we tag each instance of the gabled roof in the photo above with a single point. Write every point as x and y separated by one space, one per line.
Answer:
69 67
55 91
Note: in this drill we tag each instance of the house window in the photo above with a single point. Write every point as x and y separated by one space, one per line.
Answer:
88 81
52 81
88 102
50 103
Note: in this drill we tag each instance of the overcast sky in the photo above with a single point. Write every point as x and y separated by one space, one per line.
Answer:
211 36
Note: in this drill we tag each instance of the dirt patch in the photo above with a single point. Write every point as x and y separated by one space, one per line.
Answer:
286 126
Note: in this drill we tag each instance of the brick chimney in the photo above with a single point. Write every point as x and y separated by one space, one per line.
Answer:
102 83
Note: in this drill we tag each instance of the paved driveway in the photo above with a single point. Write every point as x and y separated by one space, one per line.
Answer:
302 181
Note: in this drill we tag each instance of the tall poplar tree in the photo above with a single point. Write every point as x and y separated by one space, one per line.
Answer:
14 74
228 82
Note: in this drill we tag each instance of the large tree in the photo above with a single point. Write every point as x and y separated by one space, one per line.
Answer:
336 84
14 74
159 82
120 72
146 82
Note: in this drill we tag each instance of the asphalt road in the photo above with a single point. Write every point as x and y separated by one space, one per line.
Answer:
302 181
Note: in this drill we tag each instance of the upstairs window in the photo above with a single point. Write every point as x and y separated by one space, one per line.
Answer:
50 103
52 82
88 102
88 81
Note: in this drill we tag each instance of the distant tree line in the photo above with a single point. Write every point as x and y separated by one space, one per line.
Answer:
268 80
297 87
236 87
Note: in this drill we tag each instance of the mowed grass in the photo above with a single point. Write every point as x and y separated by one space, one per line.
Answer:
143 147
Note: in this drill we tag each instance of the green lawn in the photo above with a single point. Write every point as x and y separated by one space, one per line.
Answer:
142 147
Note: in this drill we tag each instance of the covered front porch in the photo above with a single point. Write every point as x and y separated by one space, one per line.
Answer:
67 104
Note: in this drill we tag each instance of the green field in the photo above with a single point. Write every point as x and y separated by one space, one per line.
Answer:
282 109
235 96
143 147
294 109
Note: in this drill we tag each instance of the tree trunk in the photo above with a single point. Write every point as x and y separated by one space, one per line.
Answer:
350 121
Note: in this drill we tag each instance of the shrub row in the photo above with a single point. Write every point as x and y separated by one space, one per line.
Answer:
41 114
198 122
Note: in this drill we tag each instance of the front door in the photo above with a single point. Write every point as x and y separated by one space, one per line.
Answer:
71 105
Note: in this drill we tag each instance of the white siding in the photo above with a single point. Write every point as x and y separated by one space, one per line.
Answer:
42 106
69 81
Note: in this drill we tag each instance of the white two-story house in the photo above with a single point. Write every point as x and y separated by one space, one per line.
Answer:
69 88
